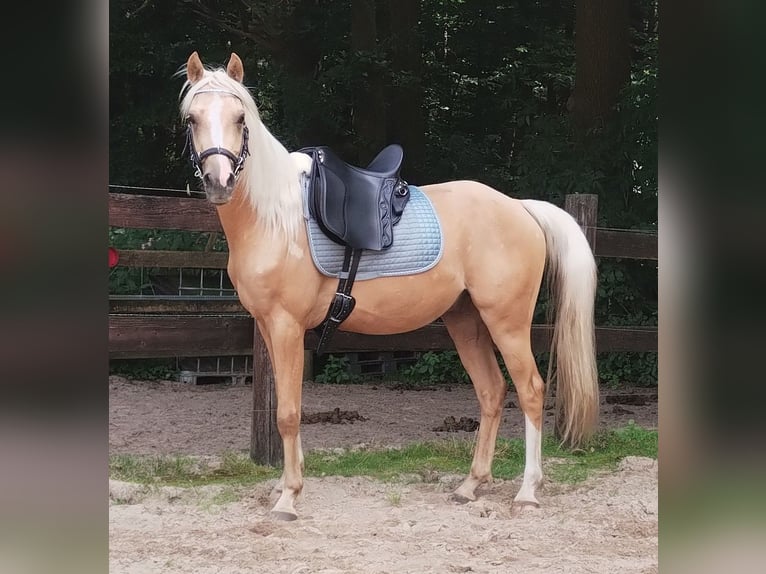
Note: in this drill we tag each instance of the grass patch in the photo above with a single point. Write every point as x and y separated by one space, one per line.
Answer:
152 469
427 460
418 458
227 495
604 450
394 497
234 468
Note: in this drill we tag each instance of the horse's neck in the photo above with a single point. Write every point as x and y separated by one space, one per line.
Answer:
238 218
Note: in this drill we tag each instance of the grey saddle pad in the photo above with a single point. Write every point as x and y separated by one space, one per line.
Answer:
417 247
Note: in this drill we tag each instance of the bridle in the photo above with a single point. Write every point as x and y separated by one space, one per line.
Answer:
237 161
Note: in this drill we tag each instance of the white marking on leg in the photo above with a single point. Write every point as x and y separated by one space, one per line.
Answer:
301 459
533 470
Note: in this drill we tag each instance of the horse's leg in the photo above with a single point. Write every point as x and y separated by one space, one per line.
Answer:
279 486
516 348
476 351
285 337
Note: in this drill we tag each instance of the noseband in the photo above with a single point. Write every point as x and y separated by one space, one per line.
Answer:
237 161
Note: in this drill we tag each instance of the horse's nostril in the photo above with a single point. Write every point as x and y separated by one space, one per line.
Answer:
206 179
230 180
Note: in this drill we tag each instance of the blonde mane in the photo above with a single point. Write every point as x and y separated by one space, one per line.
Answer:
270 178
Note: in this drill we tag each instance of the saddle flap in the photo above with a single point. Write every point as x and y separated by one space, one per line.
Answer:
327 202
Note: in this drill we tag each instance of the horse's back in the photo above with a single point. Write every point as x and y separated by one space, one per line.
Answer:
474 214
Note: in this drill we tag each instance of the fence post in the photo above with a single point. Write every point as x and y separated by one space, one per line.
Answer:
584 208
265 442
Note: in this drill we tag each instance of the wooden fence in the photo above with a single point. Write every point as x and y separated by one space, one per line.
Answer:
146 327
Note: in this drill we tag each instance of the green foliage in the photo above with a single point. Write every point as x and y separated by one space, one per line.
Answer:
335 371
636 369
624 288
144 369
130 280
435 367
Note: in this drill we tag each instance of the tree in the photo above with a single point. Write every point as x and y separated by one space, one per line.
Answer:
406 120
292 35
602 47
369 107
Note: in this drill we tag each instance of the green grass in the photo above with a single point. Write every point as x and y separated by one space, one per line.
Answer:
427 460
603 451
234 468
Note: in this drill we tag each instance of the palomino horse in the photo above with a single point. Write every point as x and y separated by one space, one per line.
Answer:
484 287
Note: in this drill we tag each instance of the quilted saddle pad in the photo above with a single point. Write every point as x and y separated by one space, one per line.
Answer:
418 244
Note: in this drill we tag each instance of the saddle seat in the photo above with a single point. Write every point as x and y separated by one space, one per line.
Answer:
357 207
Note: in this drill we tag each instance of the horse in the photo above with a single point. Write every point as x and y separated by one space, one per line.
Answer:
484 288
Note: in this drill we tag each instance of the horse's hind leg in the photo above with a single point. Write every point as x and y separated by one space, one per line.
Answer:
476 351
515 345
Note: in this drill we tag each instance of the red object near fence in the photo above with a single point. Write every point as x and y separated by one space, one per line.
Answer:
114 257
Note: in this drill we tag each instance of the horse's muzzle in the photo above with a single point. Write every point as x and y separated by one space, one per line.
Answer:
217 194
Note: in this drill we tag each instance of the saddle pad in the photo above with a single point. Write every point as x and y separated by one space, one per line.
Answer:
417 244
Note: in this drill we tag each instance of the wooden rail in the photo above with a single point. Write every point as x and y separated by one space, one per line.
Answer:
145 327
158 212
172 334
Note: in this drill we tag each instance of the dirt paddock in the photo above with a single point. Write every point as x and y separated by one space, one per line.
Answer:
606 524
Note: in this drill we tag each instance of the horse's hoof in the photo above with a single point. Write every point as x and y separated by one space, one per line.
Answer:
283 516
519 506
460 498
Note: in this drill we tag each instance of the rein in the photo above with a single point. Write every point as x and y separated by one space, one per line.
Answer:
237 161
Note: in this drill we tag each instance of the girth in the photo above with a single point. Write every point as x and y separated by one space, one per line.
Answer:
357 208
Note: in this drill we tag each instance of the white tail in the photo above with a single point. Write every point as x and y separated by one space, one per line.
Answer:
572 280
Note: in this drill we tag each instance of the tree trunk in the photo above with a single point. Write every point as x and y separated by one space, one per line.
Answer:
602 48
369 109
406 119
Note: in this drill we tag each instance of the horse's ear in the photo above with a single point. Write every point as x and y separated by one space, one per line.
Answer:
194 69
235 69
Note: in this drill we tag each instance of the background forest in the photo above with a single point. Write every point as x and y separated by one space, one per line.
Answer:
535 98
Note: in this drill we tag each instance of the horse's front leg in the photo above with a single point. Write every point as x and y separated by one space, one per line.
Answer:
285 336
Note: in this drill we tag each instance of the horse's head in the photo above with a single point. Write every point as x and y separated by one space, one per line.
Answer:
217 134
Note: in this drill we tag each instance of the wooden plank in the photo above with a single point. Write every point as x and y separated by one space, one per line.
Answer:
186 259
619 339
265 441
149 336
434 337
584 208
157 212
626 244
137 305
178 335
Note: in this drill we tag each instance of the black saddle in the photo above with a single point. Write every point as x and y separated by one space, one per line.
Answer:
353 206
358 208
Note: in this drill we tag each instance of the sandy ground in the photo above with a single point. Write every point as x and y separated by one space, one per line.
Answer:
348 525
171 417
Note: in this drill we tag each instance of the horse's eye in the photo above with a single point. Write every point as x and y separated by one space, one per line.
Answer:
241 119
190 120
